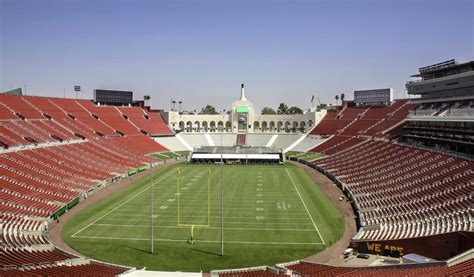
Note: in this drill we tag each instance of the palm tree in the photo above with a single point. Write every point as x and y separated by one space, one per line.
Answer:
337 98
174 105
343 96
146 98
180 102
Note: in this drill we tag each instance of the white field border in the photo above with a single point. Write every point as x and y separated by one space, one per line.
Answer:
309 214
206 241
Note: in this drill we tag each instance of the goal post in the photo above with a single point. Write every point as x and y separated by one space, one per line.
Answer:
181 199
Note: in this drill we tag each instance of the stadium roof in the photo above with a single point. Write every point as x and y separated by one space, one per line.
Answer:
443 69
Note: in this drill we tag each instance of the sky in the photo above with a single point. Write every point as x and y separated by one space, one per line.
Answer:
199 52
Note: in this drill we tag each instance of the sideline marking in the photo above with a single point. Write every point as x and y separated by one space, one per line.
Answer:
316 227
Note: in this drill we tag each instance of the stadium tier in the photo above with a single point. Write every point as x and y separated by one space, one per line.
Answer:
91 269
56 119
403 192
224 139
305 268
351 126
312 269
55 152
260 139
309 142
415 198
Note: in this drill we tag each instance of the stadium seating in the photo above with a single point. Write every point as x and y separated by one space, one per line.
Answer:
76 110
351 126
55 151
227 139
91 269
308 143
465 268
305 268
258 139
195 140
446 108
150 122
336 144
404 192
174 144
313 269
111 117
283 141
262 271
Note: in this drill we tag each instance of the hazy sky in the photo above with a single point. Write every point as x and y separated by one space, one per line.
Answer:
200 51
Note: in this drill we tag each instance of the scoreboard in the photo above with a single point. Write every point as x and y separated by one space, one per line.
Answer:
383 96
113 97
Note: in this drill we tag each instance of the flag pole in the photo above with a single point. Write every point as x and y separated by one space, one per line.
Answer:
151 210
222 194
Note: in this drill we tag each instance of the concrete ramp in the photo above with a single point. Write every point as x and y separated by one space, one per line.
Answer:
178 136
271 141
209 140
295 143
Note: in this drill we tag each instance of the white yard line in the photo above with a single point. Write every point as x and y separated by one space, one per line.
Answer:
209 241
122 204
312 220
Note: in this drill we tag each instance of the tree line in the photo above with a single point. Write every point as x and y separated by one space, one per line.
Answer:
282 109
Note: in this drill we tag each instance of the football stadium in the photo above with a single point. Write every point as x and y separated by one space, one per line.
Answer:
91 188
122 181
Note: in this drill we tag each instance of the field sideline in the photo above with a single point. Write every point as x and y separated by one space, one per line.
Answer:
271 214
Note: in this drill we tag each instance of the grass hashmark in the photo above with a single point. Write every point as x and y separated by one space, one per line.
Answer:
272 214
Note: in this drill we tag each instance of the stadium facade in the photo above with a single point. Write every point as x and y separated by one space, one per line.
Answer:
443 119
242 118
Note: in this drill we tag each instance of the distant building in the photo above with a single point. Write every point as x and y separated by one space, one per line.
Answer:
373 97
113 97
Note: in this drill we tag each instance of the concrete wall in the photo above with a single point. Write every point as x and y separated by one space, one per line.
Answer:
258 123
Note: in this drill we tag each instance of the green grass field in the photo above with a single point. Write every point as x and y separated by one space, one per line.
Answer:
169 155
306 156
272 214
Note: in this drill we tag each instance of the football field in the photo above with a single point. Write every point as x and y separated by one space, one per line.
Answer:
277 208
